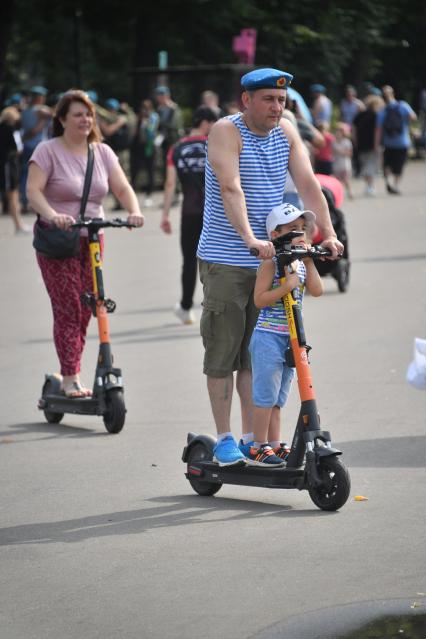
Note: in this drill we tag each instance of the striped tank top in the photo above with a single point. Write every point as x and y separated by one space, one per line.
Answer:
263 170
273 318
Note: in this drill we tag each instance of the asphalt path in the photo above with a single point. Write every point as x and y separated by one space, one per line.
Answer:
102 536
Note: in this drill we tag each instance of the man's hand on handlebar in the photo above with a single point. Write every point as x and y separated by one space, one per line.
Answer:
262 249
336 247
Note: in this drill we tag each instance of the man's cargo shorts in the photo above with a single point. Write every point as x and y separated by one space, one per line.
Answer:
229 317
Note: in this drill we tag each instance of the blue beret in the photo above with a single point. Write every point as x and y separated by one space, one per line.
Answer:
112 103
92 95
162 90
38 90
317 88
266 79
15 98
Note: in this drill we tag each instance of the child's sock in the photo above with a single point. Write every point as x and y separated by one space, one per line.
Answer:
259 444
275 444
247 438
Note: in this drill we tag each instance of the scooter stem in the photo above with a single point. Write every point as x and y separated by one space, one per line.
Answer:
98 287
298 345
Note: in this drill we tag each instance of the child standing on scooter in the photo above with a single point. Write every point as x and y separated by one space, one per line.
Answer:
271 376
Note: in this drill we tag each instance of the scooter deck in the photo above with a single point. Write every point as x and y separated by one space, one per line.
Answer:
77 405
247 475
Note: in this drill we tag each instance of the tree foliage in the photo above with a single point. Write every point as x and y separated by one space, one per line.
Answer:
63 43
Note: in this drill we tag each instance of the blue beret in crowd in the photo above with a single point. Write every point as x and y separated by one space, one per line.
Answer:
38 90
317 88
92 95
162 90
266 79
112 103
15 98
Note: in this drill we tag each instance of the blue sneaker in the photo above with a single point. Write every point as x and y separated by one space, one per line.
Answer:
245 448
227 453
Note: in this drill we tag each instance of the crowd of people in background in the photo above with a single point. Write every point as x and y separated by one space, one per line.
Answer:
361 138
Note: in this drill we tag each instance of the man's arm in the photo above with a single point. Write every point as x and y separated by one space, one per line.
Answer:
224 149
309 189
169 191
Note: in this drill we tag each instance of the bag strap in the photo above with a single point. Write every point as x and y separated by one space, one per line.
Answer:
87 181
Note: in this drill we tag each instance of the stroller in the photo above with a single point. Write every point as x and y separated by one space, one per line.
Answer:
339 269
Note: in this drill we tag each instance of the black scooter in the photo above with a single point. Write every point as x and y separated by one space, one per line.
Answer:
108 392
313 464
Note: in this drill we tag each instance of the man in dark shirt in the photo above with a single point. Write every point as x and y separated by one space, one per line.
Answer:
363 136
186 160
170 127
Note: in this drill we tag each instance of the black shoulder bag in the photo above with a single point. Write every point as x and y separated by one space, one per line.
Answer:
56 243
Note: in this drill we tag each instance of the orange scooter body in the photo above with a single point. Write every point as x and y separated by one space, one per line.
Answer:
101 310
300 351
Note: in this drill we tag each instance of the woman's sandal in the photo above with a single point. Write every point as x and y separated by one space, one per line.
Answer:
76 391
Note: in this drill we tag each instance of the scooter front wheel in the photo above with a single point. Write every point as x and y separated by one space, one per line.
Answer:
333 493
200 452
116 411
50 388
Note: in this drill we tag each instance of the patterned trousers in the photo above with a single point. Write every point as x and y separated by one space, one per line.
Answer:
65 281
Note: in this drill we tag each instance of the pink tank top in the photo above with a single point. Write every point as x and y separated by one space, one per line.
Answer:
65 177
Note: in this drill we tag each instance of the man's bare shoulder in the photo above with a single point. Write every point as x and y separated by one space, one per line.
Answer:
224 133
288 128
224 126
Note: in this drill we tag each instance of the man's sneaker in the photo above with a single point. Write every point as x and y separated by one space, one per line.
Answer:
282 451
392 190
227 453
186 317
264 456
245 448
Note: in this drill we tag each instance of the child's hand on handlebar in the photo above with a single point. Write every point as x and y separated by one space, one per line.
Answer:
291 275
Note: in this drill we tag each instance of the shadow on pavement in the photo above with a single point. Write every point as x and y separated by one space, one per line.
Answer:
387 452
159 333
175 510
54 430
392 258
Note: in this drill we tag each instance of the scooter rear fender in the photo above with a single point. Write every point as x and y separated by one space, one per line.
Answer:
208 440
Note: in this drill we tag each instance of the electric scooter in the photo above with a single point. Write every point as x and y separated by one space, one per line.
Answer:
313 464
107 398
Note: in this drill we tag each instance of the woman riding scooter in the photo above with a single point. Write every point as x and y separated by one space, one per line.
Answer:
55 184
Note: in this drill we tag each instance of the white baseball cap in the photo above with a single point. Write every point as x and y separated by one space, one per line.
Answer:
284 214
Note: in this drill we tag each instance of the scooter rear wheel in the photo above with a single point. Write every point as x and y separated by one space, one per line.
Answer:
334 492
51 417
200 452
116 411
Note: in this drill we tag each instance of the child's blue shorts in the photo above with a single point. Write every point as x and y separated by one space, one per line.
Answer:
271 376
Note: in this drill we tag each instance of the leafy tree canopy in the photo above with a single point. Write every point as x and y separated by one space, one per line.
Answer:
63 43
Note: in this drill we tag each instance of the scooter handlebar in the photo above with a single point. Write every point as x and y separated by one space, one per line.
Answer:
101 224
297 252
